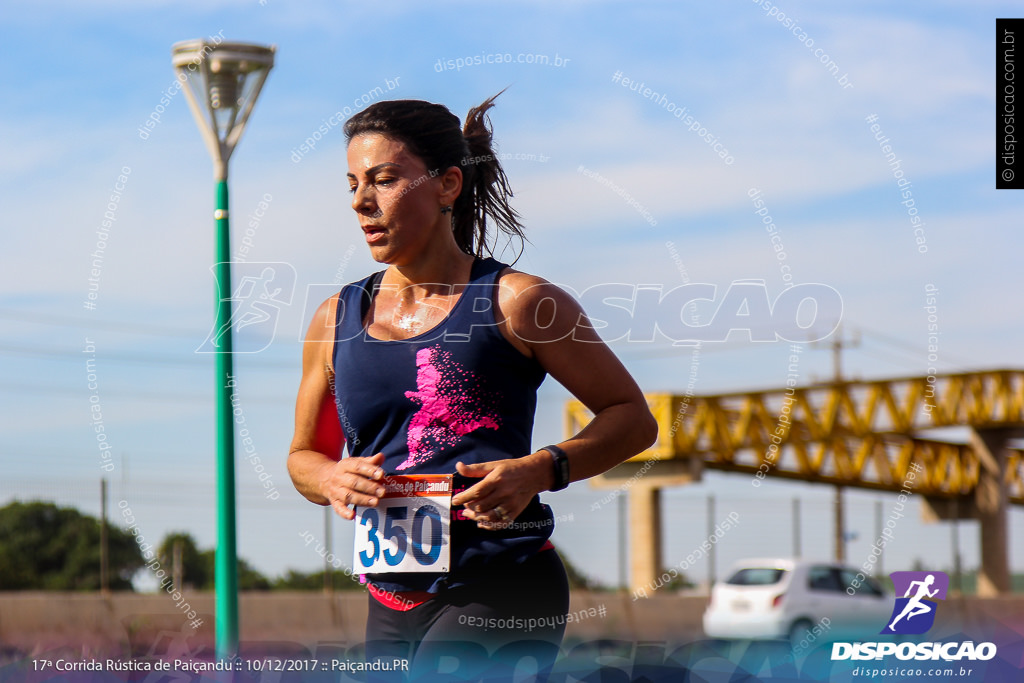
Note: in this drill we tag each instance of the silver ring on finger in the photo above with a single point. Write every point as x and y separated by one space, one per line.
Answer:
502 514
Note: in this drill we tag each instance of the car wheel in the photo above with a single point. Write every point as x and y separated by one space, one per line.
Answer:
799 631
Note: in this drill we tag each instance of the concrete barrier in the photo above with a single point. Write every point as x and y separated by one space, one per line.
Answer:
300 623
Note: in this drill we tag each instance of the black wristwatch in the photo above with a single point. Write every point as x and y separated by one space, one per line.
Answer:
561 464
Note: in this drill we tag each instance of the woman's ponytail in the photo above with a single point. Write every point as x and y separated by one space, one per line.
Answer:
485 188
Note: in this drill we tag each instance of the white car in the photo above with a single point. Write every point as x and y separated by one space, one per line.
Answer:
787 598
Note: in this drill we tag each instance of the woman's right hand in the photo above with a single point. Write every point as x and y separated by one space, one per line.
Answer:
353 481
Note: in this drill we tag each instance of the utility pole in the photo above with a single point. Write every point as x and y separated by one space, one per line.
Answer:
104 541
623 550
837 345
878 534
177 568
958 585
840 525
711 532
796 528
328 575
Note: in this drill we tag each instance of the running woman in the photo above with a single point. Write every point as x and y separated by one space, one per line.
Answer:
431 366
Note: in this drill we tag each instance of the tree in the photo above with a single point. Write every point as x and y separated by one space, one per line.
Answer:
248 578
194 571
577 580
44 547
677 582
294 580
198 567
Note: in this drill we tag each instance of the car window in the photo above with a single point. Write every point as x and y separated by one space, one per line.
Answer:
823 579
859 584
756 576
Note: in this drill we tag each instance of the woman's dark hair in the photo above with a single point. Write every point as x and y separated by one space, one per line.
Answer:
432 132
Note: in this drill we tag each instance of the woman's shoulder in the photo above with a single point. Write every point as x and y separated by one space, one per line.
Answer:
518 286
321 327
536 308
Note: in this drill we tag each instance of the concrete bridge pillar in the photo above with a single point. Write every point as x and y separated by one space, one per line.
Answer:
645 558
991 502
643 482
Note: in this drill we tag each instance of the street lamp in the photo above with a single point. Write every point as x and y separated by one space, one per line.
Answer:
221 82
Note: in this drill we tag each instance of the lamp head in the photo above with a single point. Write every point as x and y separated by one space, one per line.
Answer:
222 81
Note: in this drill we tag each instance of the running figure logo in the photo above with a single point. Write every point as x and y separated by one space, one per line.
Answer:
914 613
451 402
262 289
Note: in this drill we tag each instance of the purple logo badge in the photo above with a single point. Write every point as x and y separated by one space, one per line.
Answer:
914 613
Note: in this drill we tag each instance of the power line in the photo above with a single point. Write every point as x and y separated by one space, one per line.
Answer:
96 324
148 359
683 348
916 348
891 357
137 395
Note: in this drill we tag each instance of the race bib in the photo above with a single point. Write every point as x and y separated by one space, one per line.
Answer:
409 530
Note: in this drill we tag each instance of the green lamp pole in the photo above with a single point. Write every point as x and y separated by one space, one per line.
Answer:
221 82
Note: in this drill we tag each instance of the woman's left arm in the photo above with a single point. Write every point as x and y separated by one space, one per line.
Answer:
545 322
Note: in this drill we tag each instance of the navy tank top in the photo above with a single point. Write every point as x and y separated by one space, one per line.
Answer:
457 392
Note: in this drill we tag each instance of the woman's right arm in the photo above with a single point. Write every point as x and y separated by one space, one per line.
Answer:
314 462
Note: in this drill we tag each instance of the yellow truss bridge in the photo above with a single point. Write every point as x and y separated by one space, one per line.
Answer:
863 434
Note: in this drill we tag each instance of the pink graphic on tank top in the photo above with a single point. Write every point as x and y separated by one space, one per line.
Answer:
451 406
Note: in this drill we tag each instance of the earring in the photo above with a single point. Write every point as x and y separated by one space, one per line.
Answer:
445 209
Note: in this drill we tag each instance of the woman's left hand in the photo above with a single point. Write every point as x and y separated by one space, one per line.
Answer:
504 490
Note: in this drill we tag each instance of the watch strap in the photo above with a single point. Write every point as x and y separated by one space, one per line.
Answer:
560 462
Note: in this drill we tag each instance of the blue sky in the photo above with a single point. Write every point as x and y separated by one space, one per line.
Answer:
87 76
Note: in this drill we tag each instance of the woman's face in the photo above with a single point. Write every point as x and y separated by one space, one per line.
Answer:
398 203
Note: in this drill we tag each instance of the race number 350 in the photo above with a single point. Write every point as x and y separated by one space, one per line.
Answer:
409 529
